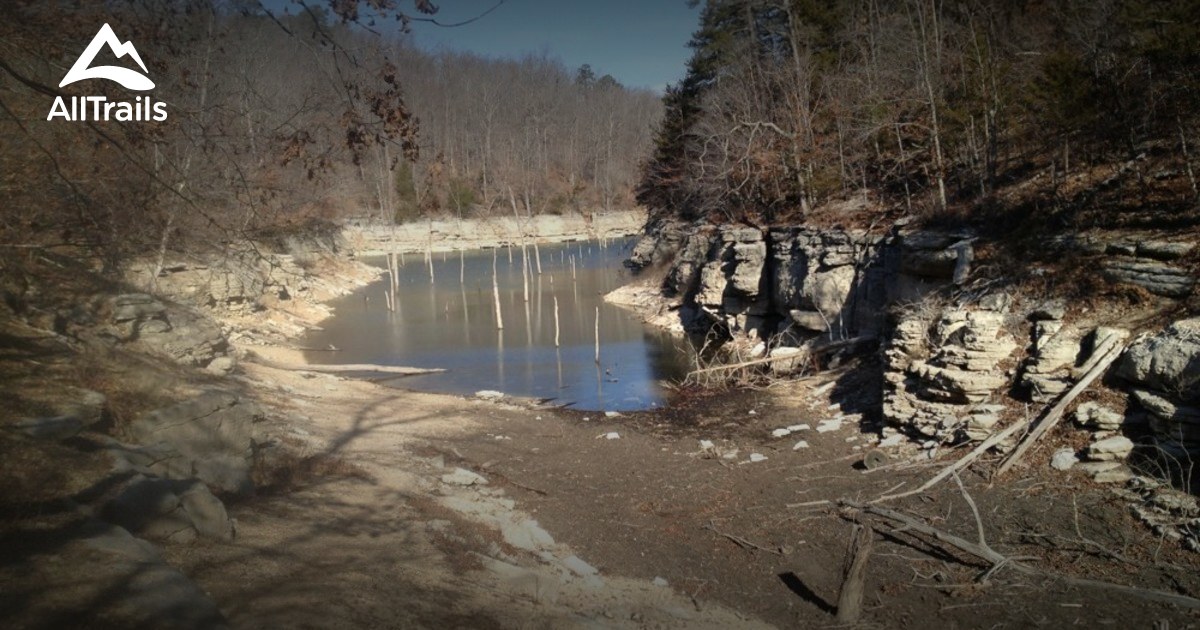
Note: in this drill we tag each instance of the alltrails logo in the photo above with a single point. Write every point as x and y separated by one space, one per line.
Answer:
83 108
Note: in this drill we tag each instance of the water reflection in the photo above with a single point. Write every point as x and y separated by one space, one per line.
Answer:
453 323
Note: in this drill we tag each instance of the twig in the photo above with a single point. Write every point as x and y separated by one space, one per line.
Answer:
741 542
974 510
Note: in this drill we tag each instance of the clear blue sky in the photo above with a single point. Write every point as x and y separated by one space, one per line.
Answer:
642 43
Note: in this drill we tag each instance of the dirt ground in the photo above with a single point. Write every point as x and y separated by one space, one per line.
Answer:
568 527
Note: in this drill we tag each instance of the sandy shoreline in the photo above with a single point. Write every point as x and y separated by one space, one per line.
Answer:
403 538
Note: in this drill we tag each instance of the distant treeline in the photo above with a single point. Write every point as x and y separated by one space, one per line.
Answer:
921 105
280 117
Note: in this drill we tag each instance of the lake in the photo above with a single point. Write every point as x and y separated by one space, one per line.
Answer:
451 323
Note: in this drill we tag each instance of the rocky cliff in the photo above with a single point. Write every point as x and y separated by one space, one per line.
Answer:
966 334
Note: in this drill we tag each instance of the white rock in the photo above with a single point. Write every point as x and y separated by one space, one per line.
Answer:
757 457
707 445
799 445
1108 449
891 440
578 566
611 435
798 427
463 477
611 414
753 412
781 433
1064 459
489 394
829 425
661 582
1119 474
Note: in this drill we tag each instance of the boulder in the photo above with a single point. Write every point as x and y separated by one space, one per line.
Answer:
135 307
169 510
210 437
1167 362
192 338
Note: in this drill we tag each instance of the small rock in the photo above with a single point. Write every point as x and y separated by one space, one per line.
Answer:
578 566
798 427
1063 459
753 412
221 365
757 457
829 425
1053 309
611 435
799 445
1092 468
463 477
781 433
1109 449
875 459
1119 474
707 445
490 395
891 440
611 414
1097 416
661 582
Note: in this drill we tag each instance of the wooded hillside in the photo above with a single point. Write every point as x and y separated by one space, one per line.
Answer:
928 106
285 115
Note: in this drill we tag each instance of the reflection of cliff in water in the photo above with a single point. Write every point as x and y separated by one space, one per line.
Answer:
451 324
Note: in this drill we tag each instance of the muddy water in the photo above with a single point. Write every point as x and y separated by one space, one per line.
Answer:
451 323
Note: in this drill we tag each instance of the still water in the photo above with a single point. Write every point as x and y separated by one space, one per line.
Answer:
450 323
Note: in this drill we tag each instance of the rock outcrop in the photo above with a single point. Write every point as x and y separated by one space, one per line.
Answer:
179 333
942 369
1163 372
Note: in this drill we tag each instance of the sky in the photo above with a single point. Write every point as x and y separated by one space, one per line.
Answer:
641 43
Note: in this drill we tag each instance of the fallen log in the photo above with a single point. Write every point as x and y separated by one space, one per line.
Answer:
341 369
999 560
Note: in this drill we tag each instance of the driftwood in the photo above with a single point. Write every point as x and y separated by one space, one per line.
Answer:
962 462
849 606
349 367
1110 349
999 560
810 350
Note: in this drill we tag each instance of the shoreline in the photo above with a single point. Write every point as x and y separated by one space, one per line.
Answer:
445 235
361 424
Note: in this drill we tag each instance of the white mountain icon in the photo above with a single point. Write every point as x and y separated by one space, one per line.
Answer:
131 79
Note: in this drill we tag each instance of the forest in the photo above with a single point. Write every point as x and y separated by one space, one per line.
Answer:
283 115
791 108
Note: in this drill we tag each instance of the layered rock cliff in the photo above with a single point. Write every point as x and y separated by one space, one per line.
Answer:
965 335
